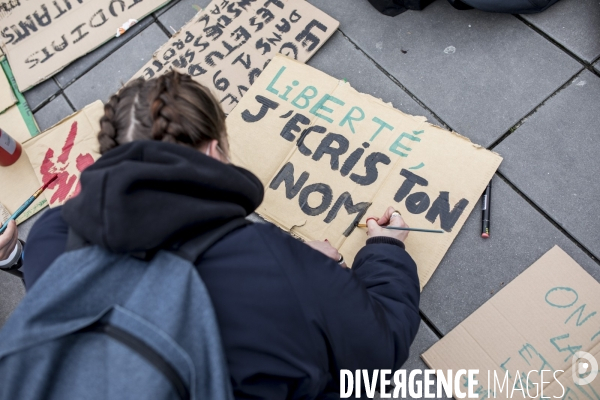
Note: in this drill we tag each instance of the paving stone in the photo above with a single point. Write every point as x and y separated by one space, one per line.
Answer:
364 75
553 159
41 93
475 268
597 66
87 62
479 72
180 14
53 112
574 24
424 340
11 293
109 76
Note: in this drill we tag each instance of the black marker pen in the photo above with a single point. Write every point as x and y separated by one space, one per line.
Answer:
485 211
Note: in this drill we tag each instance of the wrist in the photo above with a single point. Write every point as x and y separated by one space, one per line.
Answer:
385 240
14 260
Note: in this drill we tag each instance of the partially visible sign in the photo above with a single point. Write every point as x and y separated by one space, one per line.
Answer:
539 337
226 46
41 37
329 155
66 150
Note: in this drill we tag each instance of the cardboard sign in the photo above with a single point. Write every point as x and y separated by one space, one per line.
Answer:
41 37
538 322
66 150
329 155
18 183
7 97
226 46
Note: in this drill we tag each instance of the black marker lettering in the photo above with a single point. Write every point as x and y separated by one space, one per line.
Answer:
103 19
408 184
111 7
335 152
292 126
265 105
353 159
286 175
327 197
309 39
284 27
301 146
417 203
372 173
61 46
441 207
44 19
81 35
346 200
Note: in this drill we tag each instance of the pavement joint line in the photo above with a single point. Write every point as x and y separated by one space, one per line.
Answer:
553 41
431 325
49 99
105 57
69 102
164 29
397 83
534 110
548 217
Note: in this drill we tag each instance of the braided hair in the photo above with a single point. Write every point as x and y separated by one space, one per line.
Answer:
171 108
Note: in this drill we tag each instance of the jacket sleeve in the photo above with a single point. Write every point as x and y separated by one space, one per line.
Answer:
371 313
46 242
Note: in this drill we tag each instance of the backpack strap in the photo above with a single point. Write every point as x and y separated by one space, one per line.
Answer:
193 249
190 250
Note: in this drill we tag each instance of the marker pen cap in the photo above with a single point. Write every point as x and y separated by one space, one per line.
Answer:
10 149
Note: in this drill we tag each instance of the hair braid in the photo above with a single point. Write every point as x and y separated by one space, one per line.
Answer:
171 108
108 133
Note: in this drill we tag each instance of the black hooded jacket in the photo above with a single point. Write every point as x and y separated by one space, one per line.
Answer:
290 318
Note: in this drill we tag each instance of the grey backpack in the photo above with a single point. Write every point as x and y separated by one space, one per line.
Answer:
99 325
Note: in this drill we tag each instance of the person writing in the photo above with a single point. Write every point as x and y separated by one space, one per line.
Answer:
290 316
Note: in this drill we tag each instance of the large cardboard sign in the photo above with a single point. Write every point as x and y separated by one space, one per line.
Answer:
66 150
41 37
329 155
539 322
226 46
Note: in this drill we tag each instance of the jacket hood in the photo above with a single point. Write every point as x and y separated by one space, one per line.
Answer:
146 195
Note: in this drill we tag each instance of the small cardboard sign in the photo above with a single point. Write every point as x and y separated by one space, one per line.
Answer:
539 322
66 150
19 183
328 155
226 46
41 37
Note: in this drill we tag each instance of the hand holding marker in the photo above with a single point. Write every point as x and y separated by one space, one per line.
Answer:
26 205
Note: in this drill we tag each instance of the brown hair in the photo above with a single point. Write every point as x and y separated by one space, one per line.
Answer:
171 108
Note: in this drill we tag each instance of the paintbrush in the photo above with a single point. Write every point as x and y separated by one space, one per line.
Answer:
26 205
394 228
